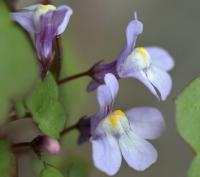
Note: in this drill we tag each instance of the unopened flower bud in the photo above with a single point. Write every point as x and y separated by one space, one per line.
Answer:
46 144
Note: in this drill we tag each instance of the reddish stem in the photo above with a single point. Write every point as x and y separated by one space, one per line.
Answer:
67 79
21 145
68 129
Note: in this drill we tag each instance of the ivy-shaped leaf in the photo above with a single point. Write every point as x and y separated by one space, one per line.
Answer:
188 114
188 120
194 169
18 68
7 160
50 171
45 107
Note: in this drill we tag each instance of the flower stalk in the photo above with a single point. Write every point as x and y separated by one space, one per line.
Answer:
21 145
90 73
68 129
73 77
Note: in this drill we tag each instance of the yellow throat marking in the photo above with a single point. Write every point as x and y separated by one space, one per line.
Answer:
143 52
45 8
120 113
114 117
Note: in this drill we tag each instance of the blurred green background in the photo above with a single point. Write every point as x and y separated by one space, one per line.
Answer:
95 32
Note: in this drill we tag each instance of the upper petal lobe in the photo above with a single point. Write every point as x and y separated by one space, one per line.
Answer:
161 58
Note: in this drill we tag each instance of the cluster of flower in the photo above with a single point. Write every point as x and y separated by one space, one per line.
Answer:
113 134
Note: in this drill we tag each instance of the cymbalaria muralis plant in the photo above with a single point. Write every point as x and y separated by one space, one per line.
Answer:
114 134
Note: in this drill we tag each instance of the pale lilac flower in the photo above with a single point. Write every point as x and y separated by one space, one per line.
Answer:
149 65
44 22
116 134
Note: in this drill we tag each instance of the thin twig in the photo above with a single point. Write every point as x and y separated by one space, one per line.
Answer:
68 129
76 76
21 145
30 144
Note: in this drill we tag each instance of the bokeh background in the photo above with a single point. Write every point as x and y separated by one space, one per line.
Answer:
97 31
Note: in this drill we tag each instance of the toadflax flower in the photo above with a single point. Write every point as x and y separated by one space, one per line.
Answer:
117 133
44 22
149 65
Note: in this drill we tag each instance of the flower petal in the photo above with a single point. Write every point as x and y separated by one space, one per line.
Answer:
107 92
161 80
61 18
44 38
137 152
147 122
160 58
142 77
106 154
105 103
25 19
112 83
106 95
134 28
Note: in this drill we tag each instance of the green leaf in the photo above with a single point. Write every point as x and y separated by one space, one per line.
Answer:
20 108
18 68
78 171
52 120
77 166
194 168
7 160
45 107
188 114
50 172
